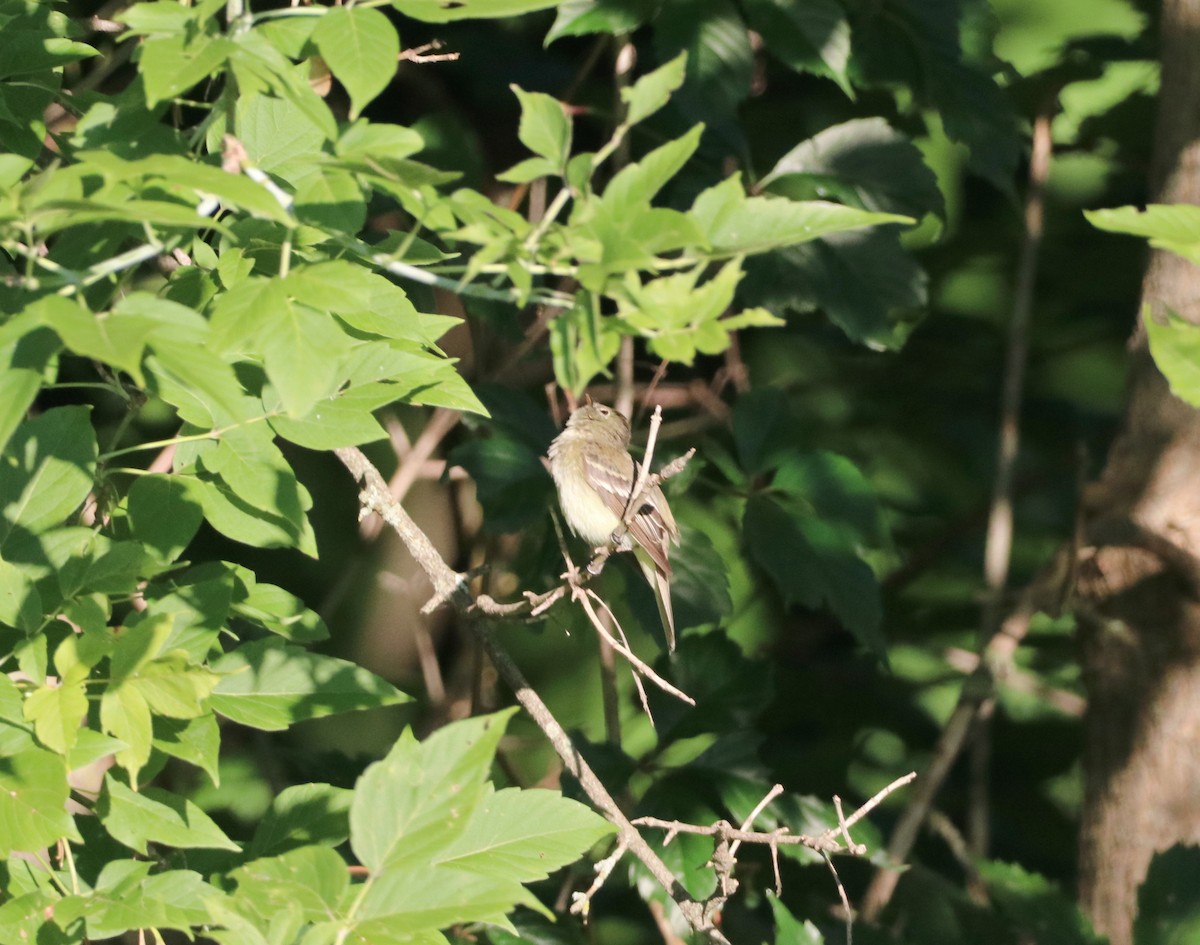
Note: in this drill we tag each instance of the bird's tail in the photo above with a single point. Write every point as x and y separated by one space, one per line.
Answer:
661 585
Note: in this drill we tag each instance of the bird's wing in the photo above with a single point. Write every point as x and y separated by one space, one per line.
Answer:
652 526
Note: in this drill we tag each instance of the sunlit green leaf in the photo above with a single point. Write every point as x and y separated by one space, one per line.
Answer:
270 685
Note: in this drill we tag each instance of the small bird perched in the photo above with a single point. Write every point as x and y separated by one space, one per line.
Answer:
596 476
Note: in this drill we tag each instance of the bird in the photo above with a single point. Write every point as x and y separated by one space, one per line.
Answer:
595 477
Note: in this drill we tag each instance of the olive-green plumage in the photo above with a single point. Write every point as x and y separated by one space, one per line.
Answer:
596 476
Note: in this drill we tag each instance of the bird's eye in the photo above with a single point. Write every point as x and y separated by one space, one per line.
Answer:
604 411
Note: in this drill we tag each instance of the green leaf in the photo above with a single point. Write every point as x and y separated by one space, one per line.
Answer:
270 685
344 419
279 135
196 741
46 471
789 930
57 712
524 835
813 36
1173 227
361 48
302 353
1035 909
734 223
635 185
403 903
420 798
528 170
235 518
814 563
836 490
300 815
157 816
198 382
916 45
653 90
581 17
279 611
583 343
510 481
126 898
311 880
364 139
20 601
730 689
439 11
332 200
1175 345
720 62
33 801
544 128
125 715
864 281
24 357
170 65
1168 908
699 581
164 513
863 162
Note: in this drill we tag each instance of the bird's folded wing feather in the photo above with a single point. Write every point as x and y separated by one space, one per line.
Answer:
652 526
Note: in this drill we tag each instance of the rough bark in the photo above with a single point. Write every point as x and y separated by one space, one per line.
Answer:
1139 577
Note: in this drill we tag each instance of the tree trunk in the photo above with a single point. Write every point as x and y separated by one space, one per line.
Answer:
1139 576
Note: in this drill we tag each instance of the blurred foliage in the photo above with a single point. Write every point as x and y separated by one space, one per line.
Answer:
809 211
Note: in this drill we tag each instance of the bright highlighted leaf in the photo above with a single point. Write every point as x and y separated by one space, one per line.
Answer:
56 713
361 48
735 223
157 816
545 128
1173 227
653 90
1175 345
524 835
421 796
269 685
439 11
33 801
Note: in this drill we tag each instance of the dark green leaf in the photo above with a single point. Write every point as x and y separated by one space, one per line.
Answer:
864 162
864 281
720 63
510 481
1168 901
300 815
814 563
813 36
164 513
581 17
46 471
441 11
196 741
